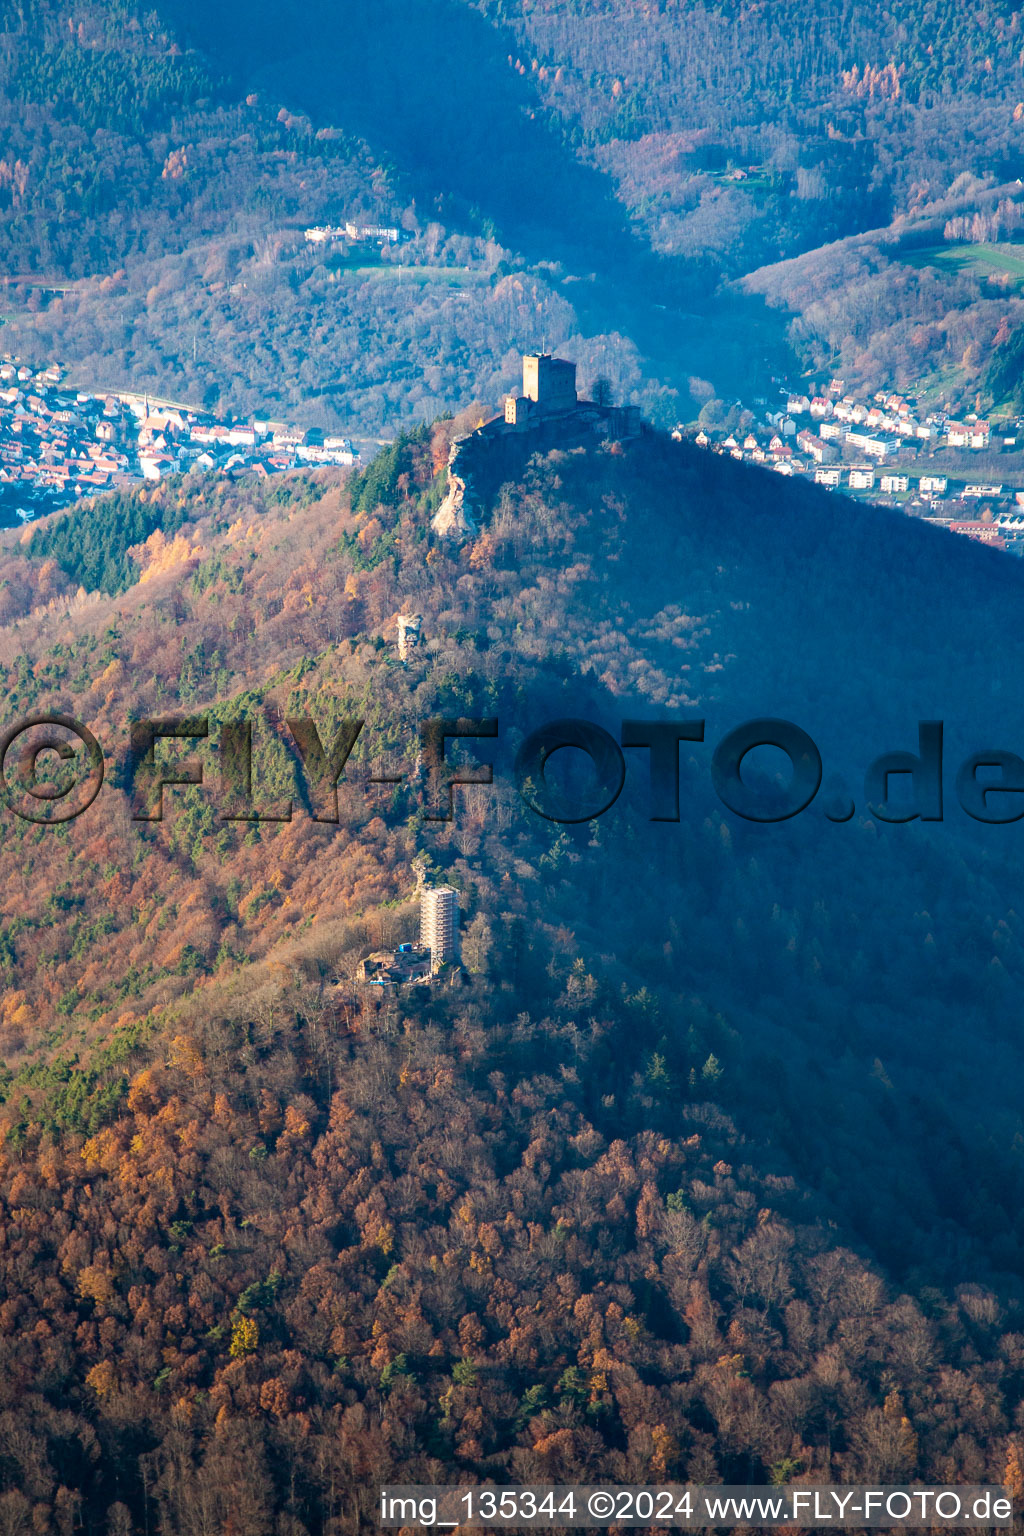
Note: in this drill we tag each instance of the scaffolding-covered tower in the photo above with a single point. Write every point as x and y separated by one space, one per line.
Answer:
439 925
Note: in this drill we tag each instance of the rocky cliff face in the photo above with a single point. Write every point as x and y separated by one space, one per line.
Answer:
454 517
480 461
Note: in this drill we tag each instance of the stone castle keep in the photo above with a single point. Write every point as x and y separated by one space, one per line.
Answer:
548 414
549 389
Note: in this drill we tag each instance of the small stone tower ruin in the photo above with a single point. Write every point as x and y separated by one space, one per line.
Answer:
408 633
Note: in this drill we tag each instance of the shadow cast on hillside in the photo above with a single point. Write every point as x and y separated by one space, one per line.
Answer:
429 86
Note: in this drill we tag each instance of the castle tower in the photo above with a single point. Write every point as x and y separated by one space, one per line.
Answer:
550 382
439 924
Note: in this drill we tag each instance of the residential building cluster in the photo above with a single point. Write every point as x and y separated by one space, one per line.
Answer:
810 434
58 445
357 234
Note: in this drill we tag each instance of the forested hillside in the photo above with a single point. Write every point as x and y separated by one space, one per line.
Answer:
851 116
729 137
161 172
677 1185
117 144
749 134
153 207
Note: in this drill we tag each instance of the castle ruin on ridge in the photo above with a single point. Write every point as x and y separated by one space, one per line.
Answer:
548 414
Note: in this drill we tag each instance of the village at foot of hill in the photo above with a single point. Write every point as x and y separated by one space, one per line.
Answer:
967 475
58 445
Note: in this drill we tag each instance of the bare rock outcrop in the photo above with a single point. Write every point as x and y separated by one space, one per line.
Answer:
454 517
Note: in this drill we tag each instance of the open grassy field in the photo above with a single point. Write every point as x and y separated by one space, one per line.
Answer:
984 260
